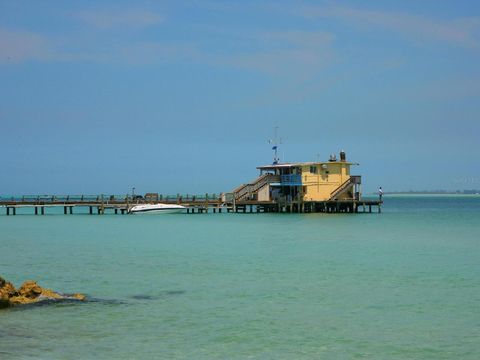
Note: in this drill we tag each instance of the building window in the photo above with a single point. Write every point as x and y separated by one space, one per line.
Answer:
313 169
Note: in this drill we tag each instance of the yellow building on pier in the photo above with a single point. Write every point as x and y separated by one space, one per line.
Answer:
303 182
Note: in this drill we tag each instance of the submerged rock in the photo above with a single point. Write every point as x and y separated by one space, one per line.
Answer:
29 293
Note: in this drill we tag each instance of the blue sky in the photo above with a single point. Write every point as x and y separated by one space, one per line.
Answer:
168 96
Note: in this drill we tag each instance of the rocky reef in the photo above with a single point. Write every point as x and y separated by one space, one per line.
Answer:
30 293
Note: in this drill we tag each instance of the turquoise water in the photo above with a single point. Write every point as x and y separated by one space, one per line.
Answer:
404 284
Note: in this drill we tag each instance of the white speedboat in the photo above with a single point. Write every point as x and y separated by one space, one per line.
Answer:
156 209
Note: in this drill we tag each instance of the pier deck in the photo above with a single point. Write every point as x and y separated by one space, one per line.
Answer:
194 204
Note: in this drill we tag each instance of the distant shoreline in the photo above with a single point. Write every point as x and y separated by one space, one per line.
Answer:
431 193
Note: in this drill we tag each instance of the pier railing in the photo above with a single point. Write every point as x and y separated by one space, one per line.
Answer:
105 199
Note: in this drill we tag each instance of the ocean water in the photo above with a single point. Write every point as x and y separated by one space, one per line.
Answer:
404 284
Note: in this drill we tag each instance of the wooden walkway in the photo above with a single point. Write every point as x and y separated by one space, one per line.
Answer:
194 204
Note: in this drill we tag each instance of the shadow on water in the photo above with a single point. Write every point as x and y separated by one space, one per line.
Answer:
55 303
15 332
158 296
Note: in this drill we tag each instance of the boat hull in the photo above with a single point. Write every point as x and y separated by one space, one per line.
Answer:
157 209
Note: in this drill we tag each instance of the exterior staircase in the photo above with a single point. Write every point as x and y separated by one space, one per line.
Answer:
249 191
345 187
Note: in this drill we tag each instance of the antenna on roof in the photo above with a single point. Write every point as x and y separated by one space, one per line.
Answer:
275 141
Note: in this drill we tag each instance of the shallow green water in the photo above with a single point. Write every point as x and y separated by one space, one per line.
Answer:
404 284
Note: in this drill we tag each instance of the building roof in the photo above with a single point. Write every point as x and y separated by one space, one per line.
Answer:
297 164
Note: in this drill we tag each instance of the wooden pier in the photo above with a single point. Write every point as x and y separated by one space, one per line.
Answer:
101 204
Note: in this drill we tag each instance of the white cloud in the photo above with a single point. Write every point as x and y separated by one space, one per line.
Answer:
155 52
125 18
282 52
277 53
17 46
459 32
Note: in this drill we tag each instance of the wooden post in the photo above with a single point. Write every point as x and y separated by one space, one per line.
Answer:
116 211
65 210
90 211
14 210
370 208
8 210
36 210
43 210
71 210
